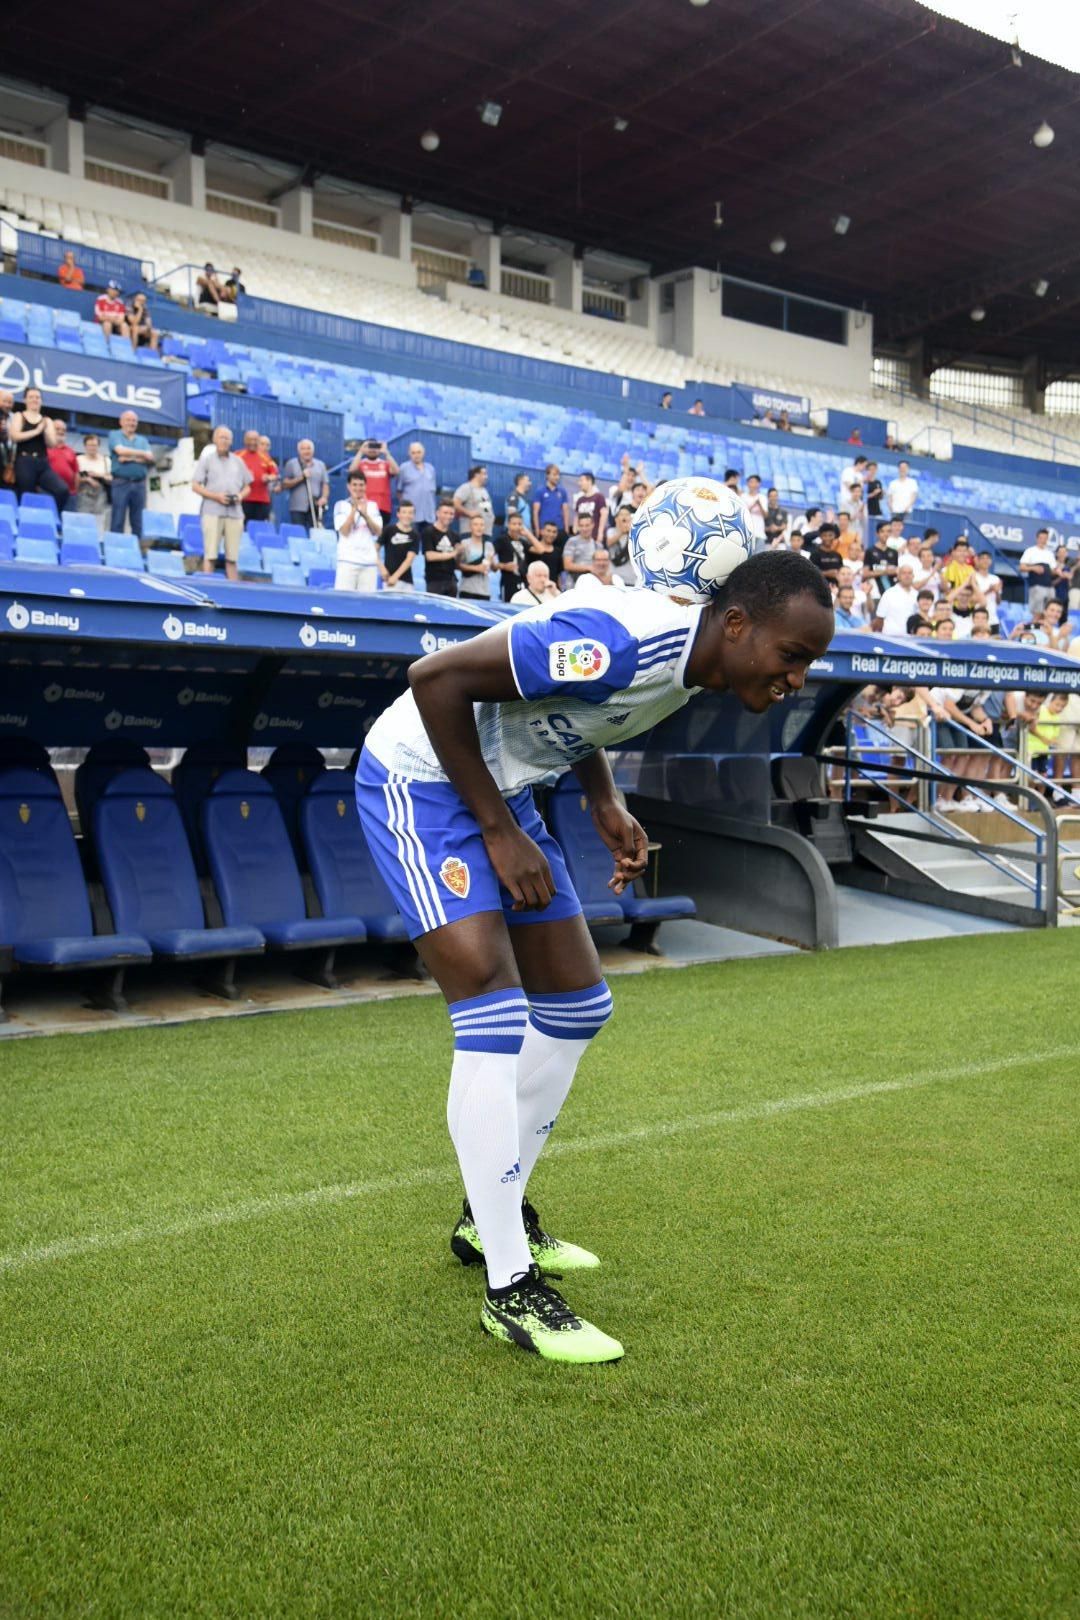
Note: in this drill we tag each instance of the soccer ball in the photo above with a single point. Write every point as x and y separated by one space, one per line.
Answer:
688 537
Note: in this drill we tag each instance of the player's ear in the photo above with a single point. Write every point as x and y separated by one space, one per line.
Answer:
735 623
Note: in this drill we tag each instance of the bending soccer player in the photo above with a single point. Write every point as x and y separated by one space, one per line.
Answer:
443 790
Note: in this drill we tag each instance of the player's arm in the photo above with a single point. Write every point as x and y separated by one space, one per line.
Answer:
445 685
624 836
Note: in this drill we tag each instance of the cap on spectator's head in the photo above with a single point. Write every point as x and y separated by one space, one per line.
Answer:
112 286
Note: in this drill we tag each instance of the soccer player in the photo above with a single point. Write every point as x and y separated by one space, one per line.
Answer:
443 790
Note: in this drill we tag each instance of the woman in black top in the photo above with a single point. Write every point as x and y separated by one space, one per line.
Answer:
32 433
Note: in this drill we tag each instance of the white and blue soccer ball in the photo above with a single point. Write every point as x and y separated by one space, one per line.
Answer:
688 537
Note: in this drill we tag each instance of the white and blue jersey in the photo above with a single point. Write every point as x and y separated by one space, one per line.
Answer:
586 675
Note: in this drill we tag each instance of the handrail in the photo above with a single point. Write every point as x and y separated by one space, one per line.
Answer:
1045 438
1068 899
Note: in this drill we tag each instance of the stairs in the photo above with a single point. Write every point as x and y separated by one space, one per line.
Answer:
952 874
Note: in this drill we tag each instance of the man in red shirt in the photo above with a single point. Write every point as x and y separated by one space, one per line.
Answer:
68 273
263 472
110 311
378 466
62 458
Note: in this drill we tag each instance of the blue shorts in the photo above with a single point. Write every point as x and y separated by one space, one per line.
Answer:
428 846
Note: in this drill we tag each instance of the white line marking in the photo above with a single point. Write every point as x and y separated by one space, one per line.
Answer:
253 1209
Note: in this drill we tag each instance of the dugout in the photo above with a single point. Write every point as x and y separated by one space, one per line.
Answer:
95 654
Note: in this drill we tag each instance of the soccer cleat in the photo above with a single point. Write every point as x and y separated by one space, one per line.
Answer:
531 1314
550 1254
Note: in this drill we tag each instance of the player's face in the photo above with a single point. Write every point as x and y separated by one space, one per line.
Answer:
762 663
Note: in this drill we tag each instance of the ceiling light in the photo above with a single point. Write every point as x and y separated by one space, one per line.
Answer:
621 125
699 2
778 244
1043 136
490 112
841 224
1041 287
719 217
429 141
978 313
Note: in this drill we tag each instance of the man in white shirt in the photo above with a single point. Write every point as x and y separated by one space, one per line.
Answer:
853 474
601 575
538 587
989 584
358 524
1037 566
222 480
896 605
903 492
755 509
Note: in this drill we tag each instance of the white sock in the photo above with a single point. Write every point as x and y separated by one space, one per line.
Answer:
560 1028
481 1112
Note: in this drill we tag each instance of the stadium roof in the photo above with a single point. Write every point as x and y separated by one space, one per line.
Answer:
917 128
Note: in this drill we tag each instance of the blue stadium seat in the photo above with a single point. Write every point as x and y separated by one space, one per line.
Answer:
80 552
255 873
45 918
260 530
587 858
149 874
7 544
33 550
290 531
27 752
189 529
159 525
37 526
290 574
12 332
103 761
249 559
321 578
123 551
9 501
275 557
34 502
74 525
165 564
345 877
192 780
290 771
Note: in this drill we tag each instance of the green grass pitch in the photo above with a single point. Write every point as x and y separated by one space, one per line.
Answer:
836 1199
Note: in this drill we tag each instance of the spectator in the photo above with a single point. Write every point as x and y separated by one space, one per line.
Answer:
959 568
852 474
828 555
110 311
754 505
880 559
1043 724
539 587
783 423
440 551
963 603
910 552
63 460
7 449
552 505
578 550
265 446
697 408
1055 627
548 546
903 492
517 502
32 434
854 509
796 541
358 524
1062 574
400 547
589 499
812 525
141 329
897 604
308 483
960 717
471 497
942 621
975 626
600 574
776 518
262 474
618 545
855 436
844 610
510 555
222 481
69 274
234 286
378 466
873 490
620 491
850 535
416 482
476 557
211 290
131 458
1037 566
989 585
95 479
924 605
927 573
665 400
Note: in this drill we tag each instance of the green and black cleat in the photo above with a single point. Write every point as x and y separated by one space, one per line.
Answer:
533 1316
550 1254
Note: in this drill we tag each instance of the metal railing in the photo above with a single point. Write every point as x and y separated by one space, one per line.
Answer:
986 416
1068 881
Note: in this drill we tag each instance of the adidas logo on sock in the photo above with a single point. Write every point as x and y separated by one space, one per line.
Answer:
513 1174
542 1130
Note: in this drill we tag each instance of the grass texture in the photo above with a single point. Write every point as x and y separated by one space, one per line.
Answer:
836 1198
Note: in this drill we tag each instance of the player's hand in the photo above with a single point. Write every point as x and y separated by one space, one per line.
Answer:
626 840
521 867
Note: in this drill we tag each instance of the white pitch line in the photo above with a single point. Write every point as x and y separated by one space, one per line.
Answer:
253 1209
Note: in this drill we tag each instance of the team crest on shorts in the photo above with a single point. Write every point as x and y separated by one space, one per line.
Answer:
455 874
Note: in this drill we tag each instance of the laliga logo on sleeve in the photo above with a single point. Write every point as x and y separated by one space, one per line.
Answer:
578 660
17 616
455 874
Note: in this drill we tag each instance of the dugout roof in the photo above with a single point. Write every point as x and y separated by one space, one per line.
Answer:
915 127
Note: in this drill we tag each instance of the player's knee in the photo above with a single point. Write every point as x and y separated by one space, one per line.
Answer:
494 1022
572 1015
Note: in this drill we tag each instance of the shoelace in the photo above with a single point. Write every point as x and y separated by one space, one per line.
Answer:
549 1306
533 1229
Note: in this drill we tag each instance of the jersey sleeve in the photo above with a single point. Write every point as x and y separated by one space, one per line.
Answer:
577 651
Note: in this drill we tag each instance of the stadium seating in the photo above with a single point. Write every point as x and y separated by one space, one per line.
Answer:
150 879
290 771
256 877
192 780
103 761
80 552
123 551
45 918
344 875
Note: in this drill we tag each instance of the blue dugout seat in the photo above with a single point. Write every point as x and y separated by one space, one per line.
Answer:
345 877
590 864
192 780
255 873
45 918
149 875
103 761
290 771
